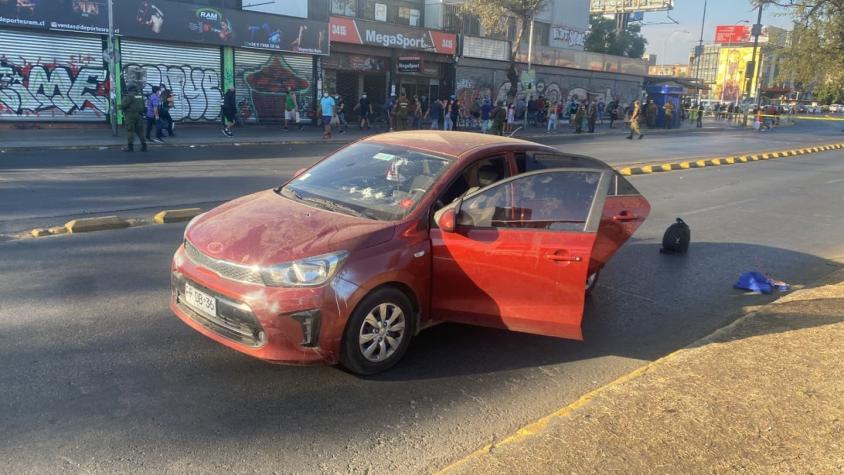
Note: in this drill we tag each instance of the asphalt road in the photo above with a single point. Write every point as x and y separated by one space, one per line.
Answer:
96 375
50 188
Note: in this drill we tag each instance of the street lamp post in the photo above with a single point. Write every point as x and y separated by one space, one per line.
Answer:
753 67
699 51
112 61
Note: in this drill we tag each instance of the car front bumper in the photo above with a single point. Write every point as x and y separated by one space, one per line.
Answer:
280 325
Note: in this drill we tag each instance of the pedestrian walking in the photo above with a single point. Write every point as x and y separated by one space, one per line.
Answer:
455 113
167 103
592 116
388 110
511 118
614 110
578 119
340 114
153 116
229 112
601 110
365 111
326 108
499 118
132 106
435 112
651 112
552 119
402 113
699 123
486 116
668 109
635 117
447 123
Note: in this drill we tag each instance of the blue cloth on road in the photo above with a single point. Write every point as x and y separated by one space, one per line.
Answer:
754 282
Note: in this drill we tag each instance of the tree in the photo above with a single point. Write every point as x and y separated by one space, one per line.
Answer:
495 15
815 56
603 38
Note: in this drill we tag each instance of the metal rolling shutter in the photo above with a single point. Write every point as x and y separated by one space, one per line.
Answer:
262 78
49 77
193 73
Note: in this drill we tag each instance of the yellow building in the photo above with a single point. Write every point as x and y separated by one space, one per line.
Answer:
730 80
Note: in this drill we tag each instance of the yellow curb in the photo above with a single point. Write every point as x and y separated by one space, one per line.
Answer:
58 230
176 215
743 159
40 232
666 167
730 160
701 163
103 223
646 169
685 165
715 162
626 171
755 158
765 156
775 155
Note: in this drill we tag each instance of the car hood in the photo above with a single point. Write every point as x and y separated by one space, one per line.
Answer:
267 229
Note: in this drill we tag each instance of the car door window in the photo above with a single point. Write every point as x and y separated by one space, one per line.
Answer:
533 161
554 201
477 175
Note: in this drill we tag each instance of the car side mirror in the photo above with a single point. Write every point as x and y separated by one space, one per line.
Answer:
448 219
299 172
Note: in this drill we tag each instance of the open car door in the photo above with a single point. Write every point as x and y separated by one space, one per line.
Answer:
515 254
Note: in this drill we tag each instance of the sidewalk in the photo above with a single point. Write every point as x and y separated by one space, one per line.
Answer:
23 136
763 395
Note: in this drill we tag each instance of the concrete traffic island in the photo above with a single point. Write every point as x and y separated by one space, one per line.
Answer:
762 395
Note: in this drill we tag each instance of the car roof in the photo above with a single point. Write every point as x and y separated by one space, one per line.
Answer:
454 144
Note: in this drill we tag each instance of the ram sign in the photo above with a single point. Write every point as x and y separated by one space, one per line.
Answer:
603 7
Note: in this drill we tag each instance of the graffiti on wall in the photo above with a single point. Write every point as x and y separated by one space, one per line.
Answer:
268 85
196 91
57 89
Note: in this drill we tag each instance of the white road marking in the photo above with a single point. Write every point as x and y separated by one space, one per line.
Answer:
713 208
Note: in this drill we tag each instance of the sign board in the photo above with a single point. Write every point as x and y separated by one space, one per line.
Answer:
182 22
389 35
732 34
604 7
486 48
381 11
409 64
78 16
297 8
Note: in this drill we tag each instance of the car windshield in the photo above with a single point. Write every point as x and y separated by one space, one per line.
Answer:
371 180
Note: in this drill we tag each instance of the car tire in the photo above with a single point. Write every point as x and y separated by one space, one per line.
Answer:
592 281
378 332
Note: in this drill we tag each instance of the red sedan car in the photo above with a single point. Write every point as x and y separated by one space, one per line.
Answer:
389 235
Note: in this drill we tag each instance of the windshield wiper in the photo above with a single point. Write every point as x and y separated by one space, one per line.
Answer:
331 205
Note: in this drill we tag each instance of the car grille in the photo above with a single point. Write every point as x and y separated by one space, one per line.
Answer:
227 270
234 320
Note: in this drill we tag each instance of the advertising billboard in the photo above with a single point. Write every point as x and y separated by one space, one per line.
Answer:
603 7
81 16
183 22
360 32
732 34
297 8
730 80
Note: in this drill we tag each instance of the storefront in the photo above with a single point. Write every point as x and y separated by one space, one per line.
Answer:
50 69
383 59
263 79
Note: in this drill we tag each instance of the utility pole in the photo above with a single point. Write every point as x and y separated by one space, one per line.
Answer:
753 66
699 51
112 61
530 65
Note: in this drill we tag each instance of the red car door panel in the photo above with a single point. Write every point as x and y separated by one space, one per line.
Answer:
519 255
621 218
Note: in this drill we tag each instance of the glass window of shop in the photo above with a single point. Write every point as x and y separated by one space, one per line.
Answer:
401 13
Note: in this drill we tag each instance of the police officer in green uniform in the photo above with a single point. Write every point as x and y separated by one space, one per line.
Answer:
132 107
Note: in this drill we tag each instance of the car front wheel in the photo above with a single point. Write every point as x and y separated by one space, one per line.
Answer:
378 332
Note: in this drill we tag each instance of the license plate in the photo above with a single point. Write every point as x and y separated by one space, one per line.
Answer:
200 301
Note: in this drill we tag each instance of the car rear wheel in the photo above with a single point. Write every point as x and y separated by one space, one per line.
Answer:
378 332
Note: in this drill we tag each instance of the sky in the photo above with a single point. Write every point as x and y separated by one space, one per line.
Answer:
672 42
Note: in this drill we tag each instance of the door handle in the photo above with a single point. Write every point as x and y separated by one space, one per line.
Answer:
563 258
625 216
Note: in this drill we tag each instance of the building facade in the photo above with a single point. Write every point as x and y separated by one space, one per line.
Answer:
54 66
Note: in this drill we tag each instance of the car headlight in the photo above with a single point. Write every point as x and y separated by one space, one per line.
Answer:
190 223
308 272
